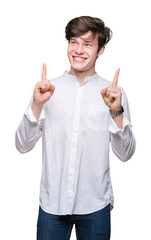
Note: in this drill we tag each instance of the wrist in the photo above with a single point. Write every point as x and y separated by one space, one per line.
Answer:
118 120
36 109
117 113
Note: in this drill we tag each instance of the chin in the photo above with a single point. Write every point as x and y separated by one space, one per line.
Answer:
79 68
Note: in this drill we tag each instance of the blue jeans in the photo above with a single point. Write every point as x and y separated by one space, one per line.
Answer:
93 226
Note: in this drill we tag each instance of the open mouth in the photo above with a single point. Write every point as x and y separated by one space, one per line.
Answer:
79 59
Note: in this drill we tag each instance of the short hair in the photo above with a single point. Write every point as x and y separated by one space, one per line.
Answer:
80 25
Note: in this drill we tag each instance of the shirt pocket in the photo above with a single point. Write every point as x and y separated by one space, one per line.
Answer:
97 118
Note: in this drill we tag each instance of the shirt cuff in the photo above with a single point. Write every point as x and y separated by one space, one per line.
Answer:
29 114
113 128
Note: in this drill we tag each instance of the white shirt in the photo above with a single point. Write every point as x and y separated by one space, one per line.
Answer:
76 129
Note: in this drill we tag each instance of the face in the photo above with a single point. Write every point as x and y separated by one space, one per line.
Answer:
83 52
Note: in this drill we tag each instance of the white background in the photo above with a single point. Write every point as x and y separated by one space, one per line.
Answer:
32 32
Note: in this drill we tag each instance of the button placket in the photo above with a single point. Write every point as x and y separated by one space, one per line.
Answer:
74 144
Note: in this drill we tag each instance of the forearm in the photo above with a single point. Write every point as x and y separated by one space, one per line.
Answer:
123 143
118 120
29 130
36 109
27 134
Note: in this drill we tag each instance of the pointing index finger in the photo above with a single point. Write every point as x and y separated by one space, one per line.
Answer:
115 79
44 72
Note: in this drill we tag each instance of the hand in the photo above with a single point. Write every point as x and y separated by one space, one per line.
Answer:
43 89
112 95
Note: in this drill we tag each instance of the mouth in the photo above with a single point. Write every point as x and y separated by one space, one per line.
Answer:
79 59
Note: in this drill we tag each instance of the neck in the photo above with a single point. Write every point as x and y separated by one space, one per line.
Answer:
80 75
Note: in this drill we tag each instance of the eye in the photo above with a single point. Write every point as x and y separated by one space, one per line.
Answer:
88 45
73 42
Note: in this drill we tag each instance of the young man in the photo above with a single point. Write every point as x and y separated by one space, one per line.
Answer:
78 115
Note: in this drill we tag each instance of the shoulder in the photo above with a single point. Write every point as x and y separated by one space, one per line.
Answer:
103 82
60 80
57 79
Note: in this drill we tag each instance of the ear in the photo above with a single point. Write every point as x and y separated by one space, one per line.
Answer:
101 51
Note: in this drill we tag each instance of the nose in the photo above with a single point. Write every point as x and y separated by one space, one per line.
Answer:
79 49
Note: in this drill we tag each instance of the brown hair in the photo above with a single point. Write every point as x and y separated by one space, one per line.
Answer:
80 25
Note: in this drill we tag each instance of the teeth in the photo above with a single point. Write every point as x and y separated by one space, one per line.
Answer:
79 59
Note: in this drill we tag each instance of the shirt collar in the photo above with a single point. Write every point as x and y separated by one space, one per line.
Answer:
74 79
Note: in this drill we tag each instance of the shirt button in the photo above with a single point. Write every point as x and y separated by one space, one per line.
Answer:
74 145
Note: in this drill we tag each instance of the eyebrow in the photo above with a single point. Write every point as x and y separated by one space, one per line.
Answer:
86 40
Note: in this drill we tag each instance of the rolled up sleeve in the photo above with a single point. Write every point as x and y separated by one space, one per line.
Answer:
29 130
122 140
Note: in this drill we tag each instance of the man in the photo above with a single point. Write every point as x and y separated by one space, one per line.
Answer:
78 115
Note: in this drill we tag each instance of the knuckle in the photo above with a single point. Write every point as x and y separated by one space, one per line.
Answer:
43 84
37 85
46 83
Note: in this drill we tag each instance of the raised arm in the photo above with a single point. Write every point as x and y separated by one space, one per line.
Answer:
122 138
30 128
